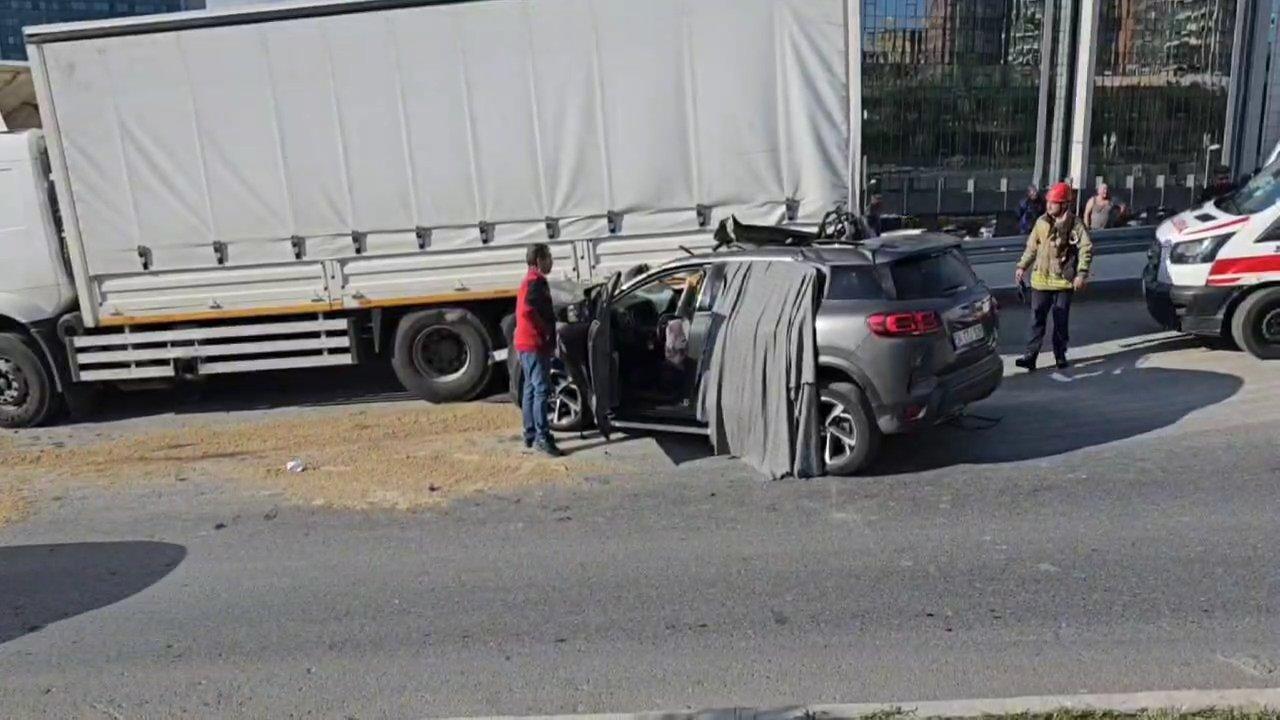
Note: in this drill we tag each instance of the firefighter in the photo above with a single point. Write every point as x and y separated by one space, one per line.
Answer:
1058 255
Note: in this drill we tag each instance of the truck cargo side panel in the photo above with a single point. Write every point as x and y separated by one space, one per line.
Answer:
262 144
206 292
436 277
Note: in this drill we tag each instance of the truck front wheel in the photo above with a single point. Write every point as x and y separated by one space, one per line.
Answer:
1256 324
442 355
26 388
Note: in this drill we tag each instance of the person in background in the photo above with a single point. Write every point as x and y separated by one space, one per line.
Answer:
535 341
1100 212
1058 255
1219 186
1030 209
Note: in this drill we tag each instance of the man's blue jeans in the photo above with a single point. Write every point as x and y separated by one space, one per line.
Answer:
533 401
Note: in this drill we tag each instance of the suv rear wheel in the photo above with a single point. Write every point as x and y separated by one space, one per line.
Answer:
850 437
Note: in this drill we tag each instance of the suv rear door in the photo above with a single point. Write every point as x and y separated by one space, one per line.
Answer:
941 280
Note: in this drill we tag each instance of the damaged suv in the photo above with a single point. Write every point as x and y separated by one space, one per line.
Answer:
906 337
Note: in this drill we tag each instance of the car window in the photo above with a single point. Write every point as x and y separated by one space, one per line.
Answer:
932 276
662 295
711 288
854 282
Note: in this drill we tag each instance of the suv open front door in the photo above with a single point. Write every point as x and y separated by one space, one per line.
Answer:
590 360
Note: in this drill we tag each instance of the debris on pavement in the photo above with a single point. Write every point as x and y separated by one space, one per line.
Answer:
13 502
13 499
388 458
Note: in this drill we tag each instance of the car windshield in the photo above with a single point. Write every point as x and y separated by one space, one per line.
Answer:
1257 195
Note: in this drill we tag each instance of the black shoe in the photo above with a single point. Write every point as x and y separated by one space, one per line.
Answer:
1063 364
528 444
548 448
1026 362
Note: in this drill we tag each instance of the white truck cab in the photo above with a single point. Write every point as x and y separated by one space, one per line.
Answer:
35 284
1214 270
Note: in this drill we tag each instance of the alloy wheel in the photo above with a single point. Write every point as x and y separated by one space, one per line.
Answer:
839 433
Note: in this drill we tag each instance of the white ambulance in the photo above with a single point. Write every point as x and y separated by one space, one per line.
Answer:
1214 270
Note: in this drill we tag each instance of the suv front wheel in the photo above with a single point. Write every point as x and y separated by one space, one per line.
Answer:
850 438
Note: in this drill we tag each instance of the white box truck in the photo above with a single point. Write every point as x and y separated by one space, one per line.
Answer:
320 184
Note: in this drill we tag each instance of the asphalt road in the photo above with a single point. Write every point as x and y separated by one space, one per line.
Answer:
1115 531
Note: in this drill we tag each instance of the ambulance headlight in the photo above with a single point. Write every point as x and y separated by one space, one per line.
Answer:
1194 252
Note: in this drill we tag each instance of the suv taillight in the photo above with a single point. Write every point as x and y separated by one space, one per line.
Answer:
905 324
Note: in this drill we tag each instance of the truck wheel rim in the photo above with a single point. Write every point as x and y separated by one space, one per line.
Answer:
839 433
566 400
440 354
13 384
1271 327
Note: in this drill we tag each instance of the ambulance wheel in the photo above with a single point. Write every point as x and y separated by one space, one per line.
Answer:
27 395
442 355
1256 324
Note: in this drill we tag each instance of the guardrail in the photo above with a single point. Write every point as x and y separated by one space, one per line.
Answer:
1007 250
1119 256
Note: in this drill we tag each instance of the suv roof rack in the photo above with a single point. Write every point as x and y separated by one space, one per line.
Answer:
837 228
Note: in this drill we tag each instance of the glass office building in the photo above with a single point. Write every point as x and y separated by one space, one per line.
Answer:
16 14
966 102
1160 94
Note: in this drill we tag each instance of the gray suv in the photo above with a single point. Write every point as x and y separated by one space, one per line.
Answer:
906 333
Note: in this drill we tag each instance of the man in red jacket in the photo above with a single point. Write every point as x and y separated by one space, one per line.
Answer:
535 341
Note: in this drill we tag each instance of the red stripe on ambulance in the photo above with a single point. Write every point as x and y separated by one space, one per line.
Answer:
1220 226
1230 271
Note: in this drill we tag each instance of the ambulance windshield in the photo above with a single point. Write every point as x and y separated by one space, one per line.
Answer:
1260 193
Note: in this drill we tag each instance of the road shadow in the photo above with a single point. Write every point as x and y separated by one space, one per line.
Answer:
42 584
684 449
1098 401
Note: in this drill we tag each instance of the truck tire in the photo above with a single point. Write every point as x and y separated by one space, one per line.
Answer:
442 355
1256 324
26 388
849 436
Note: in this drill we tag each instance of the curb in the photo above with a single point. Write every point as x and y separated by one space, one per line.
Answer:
1180 700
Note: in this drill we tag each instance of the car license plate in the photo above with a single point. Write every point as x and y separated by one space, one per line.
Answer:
968 336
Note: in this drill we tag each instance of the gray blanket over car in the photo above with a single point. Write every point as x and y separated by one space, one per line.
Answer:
760 366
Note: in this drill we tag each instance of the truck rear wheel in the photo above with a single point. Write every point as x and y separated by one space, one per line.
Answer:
26 387
1256 324
442 355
